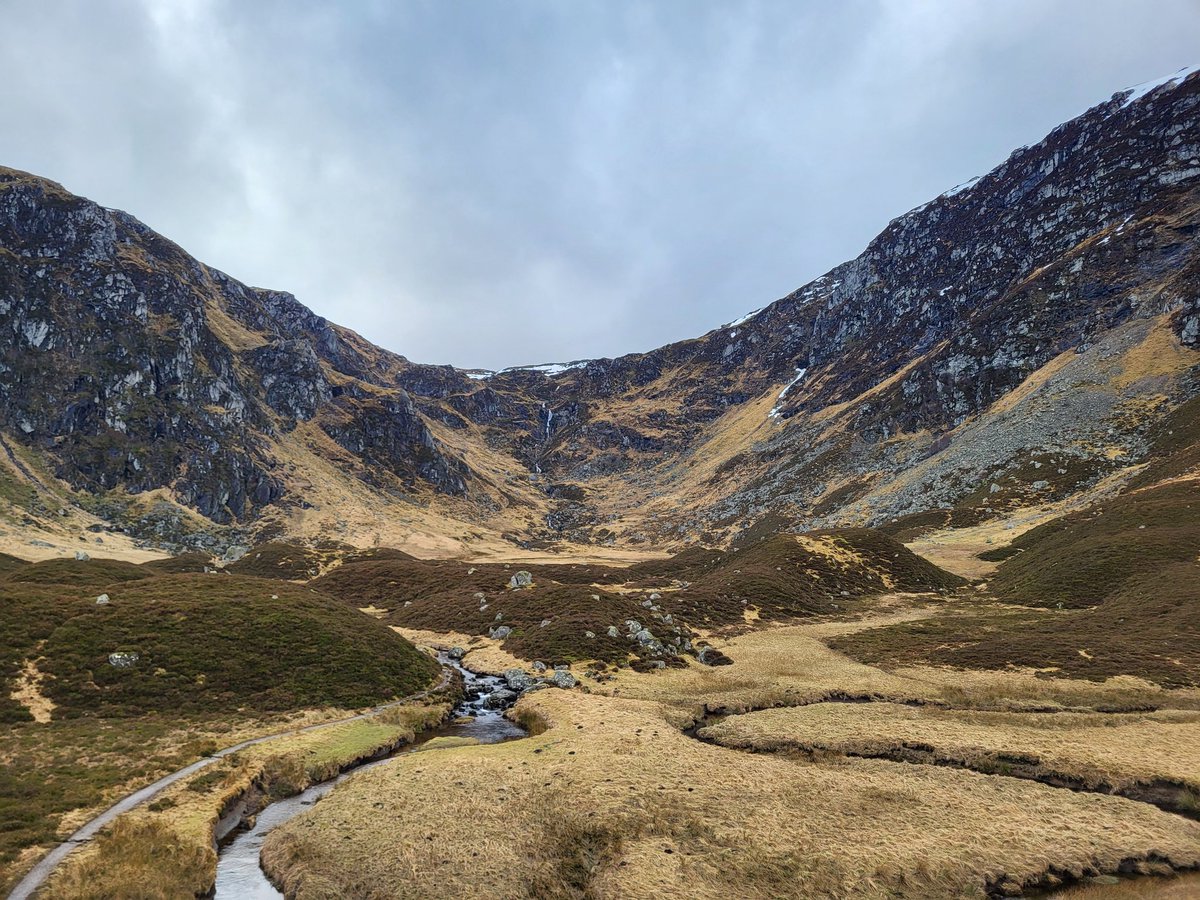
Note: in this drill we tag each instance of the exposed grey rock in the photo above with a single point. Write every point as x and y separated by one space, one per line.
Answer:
544 623
456 652
539 666
517 679
123 659
589 634
520 580
562 679
499 698
500 632
103 600
613 631
82 555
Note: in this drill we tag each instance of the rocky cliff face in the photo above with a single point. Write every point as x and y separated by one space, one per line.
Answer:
132 365
1048 310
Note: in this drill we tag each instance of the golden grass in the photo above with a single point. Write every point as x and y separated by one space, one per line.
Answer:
164 849
1098 749
612 801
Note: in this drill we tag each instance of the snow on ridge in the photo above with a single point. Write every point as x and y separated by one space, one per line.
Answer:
959 188
480 375
549 368
744 319
1138 91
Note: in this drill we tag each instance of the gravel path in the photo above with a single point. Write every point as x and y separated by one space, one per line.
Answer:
39 873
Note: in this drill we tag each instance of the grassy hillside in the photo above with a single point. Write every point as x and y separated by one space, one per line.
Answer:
1080 559
801 575
203 643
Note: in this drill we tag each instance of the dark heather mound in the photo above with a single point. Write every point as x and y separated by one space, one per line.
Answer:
687 565
9 563
1080 559
445 595
803 575
208 643
1148 628
84 573
279 559
184 563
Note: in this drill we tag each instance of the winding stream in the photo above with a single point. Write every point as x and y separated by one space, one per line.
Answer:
239 876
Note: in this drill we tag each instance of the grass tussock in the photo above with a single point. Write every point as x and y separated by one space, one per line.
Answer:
1097 751
139 859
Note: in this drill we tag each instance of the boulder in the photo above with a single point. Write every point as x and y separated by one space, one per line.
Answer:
613 631
589 635
456 652
102 600
499 698
521 579
82 555
711 656
123 659
562 679
539 666
517 680
500 632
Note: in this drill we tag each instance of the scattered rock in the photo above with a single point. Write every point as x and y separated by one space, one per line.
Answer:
82 555
499 698
562 679
711 656
517 680
539 666
521 579
589 635
613 631
456 652
103 600
123 659
544 623
500 632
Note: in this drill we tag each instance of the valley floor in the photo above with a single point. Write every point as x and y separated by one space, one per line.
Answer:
795 771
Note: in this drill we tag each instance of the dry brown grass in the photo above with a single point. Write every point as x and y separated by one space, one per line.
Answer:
1098 749
164 849
611 801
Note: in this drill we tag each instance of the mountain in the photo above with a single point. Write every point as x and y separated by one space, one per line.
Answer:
1016 340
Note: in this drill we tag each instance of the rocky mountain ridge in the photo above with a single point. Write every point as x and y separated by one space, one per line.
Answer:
1036 321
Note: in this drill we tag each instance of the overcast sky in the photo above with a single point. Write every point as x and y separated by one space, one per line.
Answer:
498 183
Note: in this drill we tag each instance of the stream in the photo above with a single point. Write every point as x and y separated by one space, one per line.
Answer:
239 876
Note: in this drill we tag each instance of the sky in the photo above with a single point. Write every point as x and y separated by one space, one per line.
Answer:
489 183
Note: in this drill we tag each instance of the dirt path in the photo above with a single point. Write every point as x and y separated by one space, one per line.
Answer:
37 876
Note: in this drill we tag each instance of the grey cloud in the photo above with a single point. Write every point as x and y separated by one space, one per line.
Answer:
492 184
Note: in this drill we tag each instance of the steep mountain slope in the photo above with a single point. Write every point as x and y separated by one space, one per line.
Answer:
1013 341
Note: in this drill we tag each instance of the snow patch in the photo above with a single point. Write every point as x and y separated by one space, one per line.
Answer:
1138 91
550 368
775 410
744 319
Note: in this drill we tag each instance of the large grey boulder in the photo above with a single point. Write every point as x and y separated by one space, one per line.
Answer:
499 698
517 680
103 600
520 580
456 652
562 680
82 555
123 659
500 632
